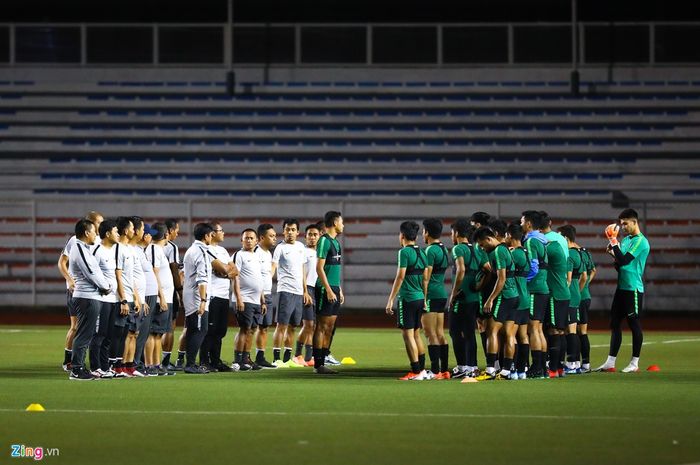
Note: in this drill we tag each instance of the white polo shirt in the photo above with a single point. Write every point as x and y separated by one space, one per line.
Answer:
290 260
250 277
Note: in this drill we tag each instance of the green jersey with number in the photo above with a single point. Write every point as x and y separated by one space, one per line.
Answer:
413 259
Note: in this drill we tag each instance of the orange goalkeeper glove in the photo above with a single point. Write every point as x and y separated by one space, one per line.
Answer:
611 233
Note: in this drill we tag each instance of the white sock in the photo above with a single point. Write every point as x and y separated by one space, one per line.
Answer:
610 361
634 361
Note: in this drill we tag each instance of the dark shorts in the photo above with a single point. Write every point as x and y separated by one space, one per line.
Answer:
323 306
250 316
133 321
72 309
504 309
161 321
409 313
462 306
573 316
145 322
289 308
123 320
268 319
436 306
583 311
176 307
309 312
522 316
558 314
107 312
538 306
627 304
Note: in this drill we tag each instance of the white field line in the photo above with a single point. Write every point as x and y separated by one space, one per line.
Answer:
671 341
331 414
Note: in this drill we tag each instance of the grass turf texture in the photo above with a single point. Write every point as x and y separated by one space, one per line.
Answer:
363 415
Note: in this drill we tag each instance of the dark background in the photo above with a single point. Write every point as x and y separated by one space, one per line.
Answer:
337 11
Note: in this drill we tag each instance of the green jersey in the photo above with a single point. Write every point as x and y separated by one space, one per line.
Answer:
471 268
522 267
413 259
436 256
630 276
328 248
577 267
557 269
536 250
501 259
590 266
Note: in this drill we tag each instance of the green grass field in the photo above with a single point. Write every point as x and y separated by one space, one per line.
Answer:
364 415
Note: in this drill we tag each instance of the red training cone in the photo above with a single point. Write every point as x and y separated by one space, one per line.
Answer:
653 368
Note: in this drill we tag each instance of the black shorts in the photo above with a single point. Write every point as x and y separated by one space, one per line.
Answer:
627 304
309 311
436 306
289 308
122 320
538 306
522 316
323 306
583 311
268 319
409 313
176 306
131 321
145 321
250 316
504 309
72 309
161 322
558 314
573 316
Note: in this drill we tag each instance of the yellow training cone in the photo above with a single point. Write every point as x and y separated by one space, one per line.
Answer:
35 408
348 361
469 380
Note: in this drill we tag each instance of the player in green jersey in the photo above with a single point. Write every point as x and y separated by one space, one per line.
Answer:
464 300
433 318
630 256
582 328
557 272
329 293
577 280
514 236
410 285
535 243
500 305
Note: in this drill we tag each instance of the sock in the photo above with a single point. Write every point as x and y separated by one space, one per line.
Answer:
421 361
523 357
67 355
259 355
484 340
562 349
635 361
166 358
129 364
491 360
309 352
536 361
507 362
434 354
415 367
553 352
180 355
572 347
585 348
245 356
276 353
610 361
299 348
444 357
287 354
319 357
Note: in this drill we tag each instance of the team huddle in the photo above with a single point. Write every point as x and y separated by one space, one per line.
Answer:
126 285
522 286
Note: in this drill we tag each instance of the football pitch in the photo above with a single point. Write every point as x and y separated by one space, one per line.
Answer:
363 415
